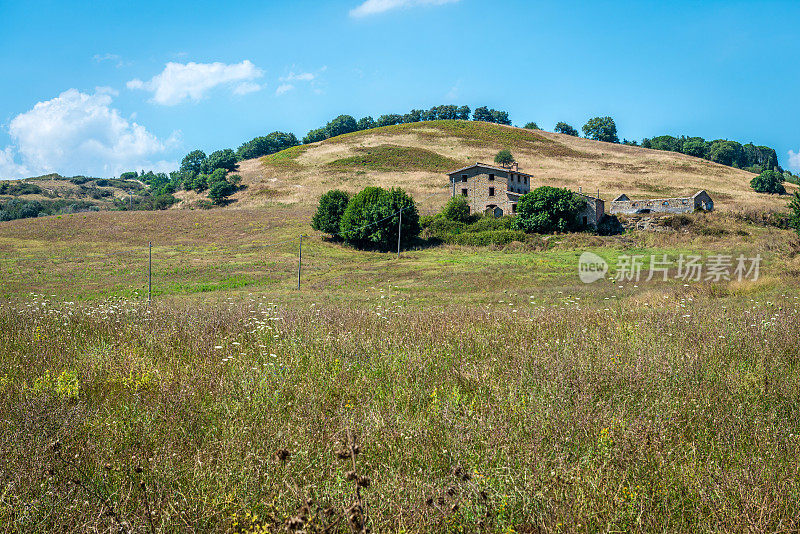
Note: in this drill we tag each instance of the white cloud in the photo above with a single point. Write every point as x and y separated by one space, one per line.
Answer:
373 7
179 82
299 77
78 133
794 160
283 88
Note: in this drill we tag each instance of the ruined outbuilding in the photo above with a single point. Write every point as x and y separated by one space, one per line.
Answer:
699 201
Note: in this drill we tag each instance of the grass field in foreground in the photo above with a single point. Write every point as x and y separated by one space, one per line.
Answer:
487 390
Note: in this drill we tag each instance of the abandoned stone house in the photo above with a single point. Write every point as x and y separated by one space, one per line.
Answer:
496 190
490 189
699 201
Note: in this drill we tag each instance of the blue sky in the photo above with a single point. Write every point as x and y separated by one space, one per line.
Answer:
98 88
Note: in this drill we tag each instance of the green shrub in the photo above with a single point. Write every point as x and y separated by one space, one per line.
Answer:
456 209
372 217
443 229
329 212
489 222
220 190
490 237
768 182
549 209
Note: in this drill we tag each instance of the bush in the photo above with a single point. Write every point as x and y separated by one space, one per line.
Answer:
490 222
549 209
441 228
532 126
371 218
456 209
490 237
601 129
329 211
768 182
794 215
564 128
220 191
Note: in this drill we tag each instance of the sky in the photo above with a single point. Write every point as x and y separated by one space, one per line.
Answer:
99 88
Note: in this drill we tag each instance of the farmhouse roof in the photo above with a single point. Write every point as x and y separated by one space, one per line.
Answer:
487 166
623 196
701 192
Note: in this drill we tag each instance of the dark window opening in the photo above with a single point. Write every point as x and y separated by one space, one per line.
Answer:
463 177
464 192
585 220
513 208
491 177
491 191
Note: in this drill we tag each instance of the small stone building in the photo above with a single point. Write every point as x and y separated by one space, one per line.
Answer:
490 189
594 211
699 201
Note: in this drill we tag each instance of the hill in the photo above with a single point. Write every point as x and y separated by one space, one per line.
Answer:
416 156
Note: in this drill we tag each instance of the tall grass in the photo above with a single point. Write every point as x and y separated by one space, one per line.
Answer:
237 415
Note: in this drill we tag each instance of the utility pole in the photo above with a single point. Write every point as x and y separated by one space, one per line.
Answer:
150 272
300 261
399 233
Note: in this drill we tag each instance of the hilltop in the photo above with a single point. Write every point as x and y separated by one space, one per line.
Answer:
416 156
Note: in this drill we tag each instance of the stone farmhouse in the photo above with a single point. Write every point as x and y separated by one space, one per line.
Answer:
496 190
490 189
699 201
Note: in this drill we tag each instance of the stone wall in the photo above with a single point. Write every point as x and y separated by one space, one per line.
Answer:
653 205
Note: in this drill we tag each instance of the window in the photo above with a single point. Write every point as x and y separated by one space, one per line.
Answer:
491 191
513 208
464 192
491 177
463 177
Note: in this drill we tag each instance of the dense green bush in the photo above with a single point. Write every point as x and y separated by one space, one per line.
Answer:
220 190
768 182
17 188
372 216
456 209
549 209
329 211
485 223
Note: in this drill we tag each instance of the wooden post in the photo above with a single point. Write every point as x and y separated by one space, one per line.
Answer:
150 271
399 233
300 261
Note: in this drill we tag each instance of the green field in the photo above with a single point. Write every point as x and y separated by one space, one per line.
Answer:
487 389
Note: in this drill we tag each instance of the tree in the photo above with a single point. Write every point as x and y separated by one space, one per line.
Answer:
463 113
389 120
220 191
329 211
549 209
564 128
768 182
500 117
532 126
341 125
131 175
264 145
372 216
504 158
193 162
482 114
315 135
366 123
456 209
794 216
221 159
601 129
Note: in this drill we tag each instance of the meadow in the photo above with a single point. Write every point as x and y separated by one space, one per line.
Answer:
456 389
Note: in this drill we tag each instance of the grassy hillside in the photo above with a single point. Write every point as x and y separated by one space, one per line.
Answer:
416 156
97 192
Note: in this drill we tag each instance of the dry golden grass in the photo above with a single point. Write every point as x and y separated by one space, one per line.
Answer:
554 159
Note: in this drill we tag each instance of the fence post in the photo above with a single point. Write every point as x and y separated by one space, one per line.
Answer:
300 261
150 271
399 233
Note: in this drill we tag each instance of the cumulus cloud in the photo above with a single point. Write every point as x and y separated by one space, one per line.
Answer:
79 133
794 160
373 7
179 82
